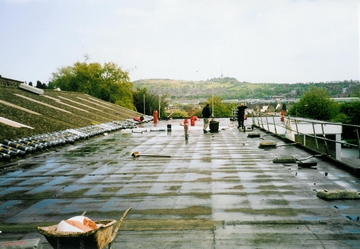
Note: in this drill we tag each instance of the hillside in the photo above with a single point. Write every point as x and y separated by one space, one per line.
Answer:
54 111
230 88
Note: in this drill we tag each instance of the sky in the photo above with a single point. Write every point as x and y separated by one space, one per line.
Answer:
258 41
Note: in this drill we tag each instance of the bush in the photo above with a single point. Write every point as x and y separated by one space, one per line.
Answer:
315 104
179 114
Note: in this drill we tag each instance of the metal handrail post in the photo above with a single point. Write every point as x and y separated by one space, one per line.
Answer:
317 145
297 129
358 138
274 125
326 145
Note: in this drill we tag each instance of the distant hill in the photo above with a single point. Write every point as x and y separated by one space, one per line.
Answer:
231 88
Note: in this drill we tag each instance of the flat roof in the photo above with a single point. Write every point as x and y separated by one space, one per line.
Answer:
213 190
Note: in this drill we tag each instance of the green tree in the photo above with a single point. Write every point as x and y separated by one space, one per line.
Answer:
356 91
108 82
179 114
40 85
220 109
351 110
315 104
151 100
271 108
349 114
140 95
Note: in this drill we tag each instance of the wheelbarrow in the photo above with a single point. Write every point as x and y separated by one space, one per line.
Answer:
97 238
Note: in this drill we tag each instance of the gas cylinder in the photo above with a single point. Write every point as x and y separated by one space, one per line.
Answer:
155 115
192 120
186 121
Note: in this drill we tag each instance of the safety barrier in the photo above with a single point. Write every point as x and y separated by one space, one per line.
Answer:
319 136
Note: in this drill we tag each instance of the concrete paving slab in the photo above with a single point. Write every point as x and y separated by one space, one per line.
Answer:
216 190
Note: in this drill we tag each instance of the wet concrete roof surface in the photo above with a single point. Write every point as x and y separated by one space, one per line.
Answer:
216 190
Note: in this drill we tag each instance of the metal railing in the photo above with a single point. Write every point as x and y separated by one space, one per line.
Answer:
316 136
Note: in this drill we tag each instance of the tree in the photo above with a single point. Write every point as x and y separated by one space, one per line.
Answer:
315 104
349 114
271 108
179 114
108 82
220 109
140 96
40 85
352 112
151 102
356 91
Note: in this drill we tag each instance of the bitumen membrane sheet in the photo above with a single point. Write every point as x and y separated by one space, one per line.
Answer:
207 190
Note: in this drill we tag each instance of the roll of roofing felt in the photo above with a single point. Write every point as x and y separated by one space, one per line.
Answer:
254 134
267 144
288 159
338 194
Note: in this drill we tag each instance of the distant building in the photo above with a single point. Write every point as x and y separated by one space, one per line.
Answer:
264 108
277 97
346 99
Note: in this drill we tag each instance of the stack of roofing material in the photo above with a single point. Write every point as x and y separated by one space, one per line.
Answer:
20 147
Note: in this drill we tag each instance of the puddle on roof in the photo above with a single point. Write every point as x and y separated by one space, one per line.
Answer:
352 217
14 173
340 207
250 185
42 207
102 170
353 231
343 184
310 218
82 151
51 162
247 175
39 190
191 177
58 180
8 205
73 188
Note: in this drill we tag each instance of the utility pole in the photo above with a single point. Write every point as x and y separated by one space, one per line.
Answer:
159 105
212 99
144 103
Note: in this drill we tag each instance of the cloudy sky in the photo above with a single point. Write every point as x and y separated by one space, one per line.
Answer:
275 41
